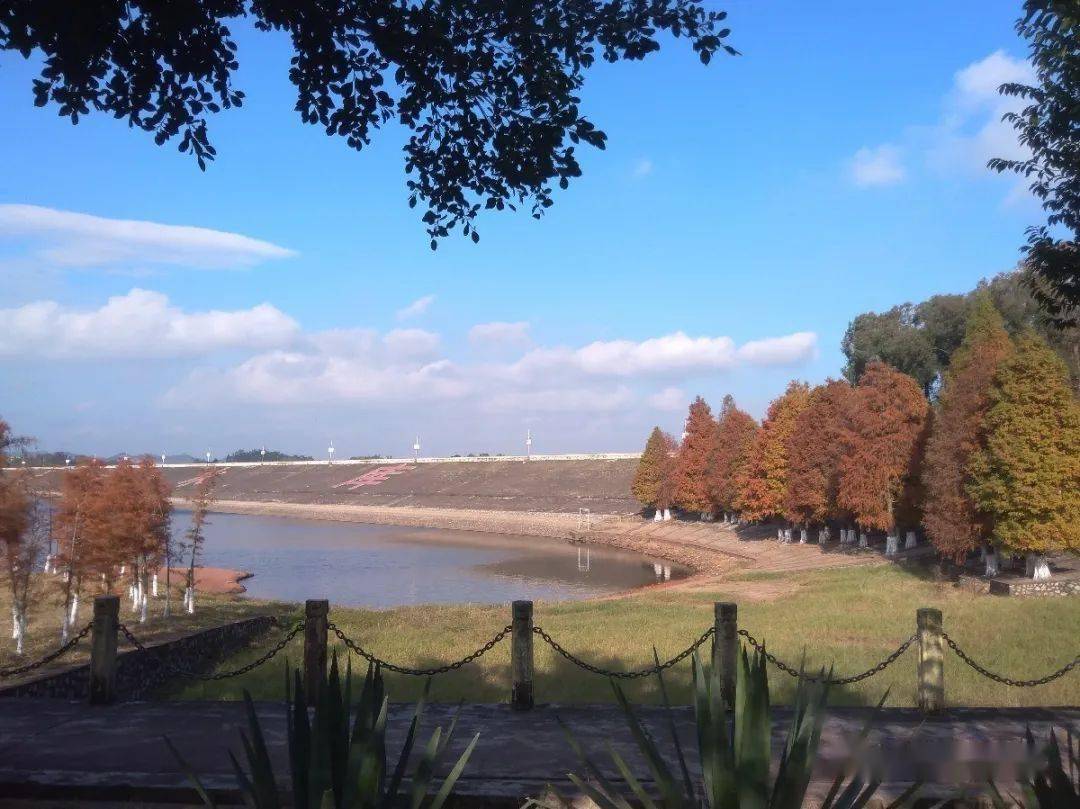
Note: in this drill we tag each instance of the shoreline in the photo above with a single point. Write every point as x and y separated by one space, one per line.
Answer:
603 529
559 525
709 551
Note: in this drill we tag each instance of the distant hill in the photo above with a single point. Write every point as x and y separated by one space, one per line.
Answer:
256 455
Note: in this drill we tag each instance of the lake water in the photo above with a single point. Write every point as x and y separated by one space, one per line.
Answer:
387 566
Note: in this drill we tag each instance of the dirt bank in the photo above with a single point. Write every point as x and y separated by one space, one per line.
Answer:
216 580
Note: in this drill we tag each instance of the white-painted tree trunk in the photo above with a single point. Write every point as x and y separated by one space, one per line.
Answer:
143 609
779 534
1040 567
74 608
153 586
20 632
190 601
659 515
802 536
993 562
667 514
706 516
14 623
64 628
892 545
911 541
863 543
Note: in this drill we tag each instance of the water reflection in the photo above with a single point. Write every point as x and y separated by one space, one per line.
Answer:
385 566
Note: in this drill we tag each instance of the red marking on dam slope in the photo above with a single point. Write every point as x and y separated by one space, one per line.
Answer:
372 477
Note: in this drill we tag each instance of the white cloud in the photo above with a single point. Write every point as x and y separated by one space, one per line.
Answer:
304 378
416 308
408 368
561 400
966 135
500 335
670 355
69 239
139 324
789 350
670 399
877 166
977 84
973 131
643 167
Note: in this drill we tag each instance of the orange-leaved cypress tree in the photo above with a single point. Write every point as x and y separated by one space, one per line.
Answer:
888 415
1026 478
735 431
952 521
649 477
821 438
692 469
762 480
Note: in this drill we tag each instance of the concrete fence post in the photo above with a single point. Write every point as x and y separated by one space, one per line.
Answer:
103 650
521 656
931 665
315 613
726 647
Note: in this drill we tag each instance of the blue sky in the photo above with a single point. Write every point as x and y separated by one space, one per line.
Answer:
835 167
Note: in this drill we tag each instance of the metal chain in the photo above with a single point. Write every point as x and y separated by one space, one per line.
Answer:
364 653
624 675
224 675
784 667
51 656
1008 680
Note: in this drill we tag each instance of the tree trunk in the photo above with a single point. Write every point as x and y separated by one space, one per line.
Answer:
911 541
1040 567
863 543
992 562
667 514
803 534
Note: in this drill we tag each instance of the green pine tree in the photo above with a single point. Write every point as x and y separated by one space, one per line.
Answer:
649 477
950 516
1026 477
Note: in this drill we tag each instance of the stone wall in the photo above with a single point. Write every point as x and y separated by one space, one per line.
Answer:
138 673
1028 587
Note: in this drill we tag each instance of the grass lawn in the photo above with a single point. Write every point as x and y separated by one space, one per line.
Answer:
850 618
43 630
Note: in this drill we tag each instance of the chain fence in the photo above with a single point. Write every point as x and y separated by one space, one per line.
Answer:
1008 680
183 672
179 671
625 675
821 678
371 658
15 671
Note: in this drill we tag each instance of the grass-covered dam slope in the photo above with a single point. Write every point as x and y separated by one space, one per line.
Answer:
602 486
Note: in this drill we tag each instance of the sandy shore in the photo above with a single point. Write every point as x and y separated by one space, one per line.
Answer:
216 580
524 523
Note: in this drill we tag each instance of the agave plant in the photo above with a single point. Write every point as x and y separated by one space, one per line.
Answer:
1055 784
336 763
734 753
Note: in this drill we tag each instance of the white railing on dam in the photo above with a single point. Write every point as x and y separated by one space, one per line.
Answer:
599 456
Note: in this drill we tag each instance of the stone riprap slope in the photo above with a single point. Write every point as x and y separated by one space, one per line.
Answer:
602 486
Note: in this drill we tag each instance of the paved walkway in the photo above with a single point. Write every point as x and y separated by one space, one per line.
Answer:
53 749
